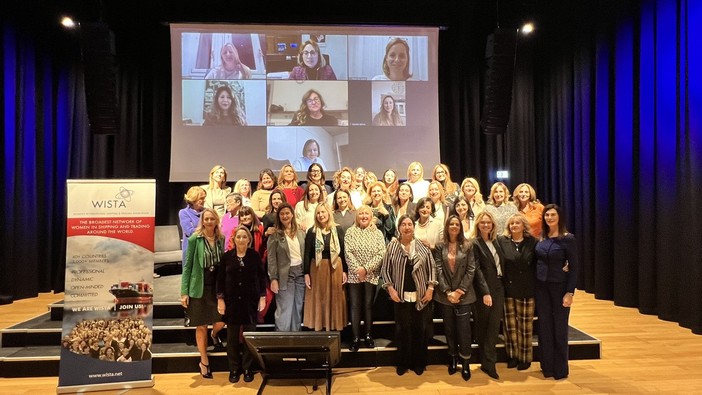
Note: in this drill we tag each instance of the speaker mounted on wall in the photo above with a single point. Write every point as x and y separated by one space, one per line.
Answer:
500 54
100 71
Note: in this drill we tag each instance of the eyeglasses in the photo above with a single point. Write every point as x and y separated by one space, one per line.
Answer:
313 100
309 53
315 171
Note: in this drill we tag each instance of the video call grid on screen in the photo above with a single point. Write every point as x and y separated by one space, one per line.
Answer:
239 90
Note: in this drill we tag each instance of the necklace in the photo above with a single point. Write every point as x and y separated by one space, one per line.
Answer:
517 243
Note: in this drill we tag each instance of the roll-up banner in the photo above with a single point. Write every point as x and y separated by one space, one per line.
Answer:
107 319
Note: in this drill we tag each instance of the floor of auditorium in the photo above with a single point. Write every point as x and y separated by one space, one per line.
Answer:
640 354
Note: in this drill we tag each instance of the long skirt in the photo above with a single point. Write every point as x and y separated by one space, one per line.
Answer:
325 303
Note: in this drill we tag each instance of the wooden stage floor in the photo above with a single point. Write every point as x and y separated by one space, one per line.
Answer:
640 354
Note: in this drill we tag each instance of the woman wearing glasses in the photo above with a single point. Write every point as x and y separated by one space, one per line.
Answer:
311 112
311 64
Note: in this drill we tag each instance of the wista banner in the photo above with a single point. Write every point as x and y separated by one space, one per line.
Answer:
108 316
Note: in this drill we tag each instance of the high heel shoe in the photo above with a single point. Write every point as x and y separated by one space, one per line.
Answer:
218 345
370 343
208 373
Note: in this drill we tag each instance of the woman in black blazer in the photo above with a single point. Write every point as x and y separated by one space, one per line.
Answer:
519 267
286 249
455 273
490 258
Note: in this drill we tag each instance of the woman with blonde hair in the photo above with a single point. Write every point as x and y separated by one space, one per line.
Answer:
415 178
343 179
287 181
387 114
365 247
470 189
524 197
198 284
441 206
231 67
217 189
490 261
305 209
442 174
326 273
243 187
519 267
500 206
189 216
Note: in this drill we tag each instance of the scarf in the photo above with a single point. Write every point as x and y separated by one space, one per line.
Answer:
319 246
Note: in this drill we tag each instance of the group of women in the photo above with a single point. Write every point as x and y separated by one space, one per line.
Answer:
426 243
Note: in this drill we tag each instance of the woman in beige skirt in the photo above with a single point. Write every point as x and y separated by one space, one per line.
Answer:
325 273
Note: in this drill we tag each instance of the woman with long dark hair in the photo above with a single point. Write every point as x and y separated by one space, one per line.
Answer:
286 249
455 273
226 109
557 270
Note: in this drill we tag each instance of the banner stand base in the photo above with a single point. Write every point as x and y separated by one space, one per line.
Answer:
122 385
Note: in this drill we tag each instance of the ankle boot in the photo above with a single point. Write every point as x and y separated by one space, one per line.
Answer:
453 365
465 370
355 345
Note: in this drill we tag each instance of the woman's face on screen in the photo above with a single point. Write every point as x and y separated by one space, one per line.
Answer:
388 104
314 103
311 150
228 57
310 56
397 59
224 101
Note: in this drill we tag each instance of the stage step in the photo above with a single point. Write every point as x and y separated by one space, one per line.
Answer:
32 348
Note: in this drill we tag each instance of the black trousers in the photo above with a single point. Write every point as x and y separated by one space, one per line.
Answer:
412 330
361 296
553 328
457 329
487 326
237 361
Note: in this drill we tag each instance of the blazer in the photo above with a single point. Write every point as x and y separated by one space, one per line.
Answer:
552 255
423 270
519 267
463 277
486 268
279 256
192 282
